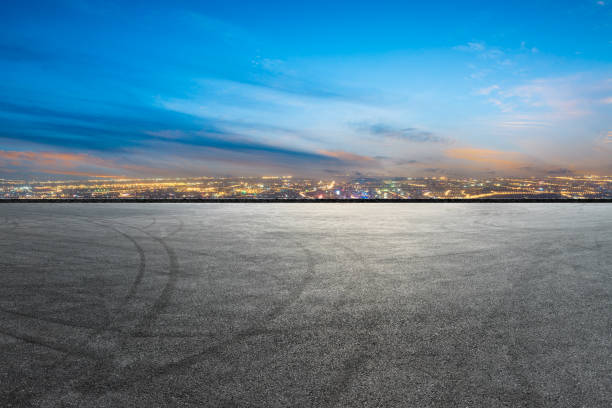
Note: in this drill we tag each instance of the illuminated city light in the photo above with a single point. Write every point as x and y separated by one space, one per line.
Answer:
273 187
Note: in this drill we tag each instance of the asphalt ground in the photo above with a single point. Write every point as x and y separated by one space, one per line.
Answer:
306 305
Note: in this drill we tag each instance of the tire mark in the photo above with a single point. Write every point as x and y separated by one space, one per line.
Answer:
141 267
263 331
142 373
364 352
342 382
184 395
141 255
298 290
176 230
152 223
64 240
66 350
517 346
413 362
107 326
106 364
102 361
162 301
49 319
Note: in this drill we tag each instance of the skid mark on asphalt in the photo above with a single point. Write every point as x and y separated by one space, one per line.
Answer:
362 353
149 225
164 298
142 373
296 292
366 348
107 327
342 383
141 266
49 319
176 230
162 301
68 350
105 366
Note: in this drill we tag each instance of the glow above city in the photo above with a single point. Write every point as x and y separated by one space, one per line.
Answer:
115 89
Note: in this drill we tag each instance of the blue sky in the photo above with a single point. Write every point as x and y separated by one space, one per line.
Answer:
184 88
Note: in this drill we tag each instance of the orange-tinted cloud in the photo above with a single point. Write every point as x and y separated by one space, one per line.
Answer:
78 173
78 164
53 158
493 158
342 155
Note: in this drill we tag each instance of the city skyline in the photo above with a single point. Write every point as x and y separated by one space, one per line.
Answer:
181 89
280 188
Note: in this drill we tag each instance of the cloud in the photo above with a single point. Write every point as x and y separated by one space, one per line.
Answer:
560 172
136 133
238 143
126 128
481 49
550 99
401 162
488 90
52 158
346 156
524 124
409 133
503 106
507 162
79 164
189 163
496 158
471 46
273 65
229 33
77 173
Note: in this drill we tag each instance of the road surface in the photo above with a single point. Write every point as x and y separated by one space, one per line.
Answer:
306 305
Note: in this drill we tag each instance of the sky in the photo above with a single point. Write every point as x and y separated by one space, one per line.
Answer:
247 88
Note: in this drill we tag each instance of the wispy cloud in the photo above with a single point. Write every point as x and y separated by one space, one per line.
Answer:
561 171
533 50
410 134
490 157
488 90
524 124
346 156
136 138
59 163
471 46
550 98
481 49
502 105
